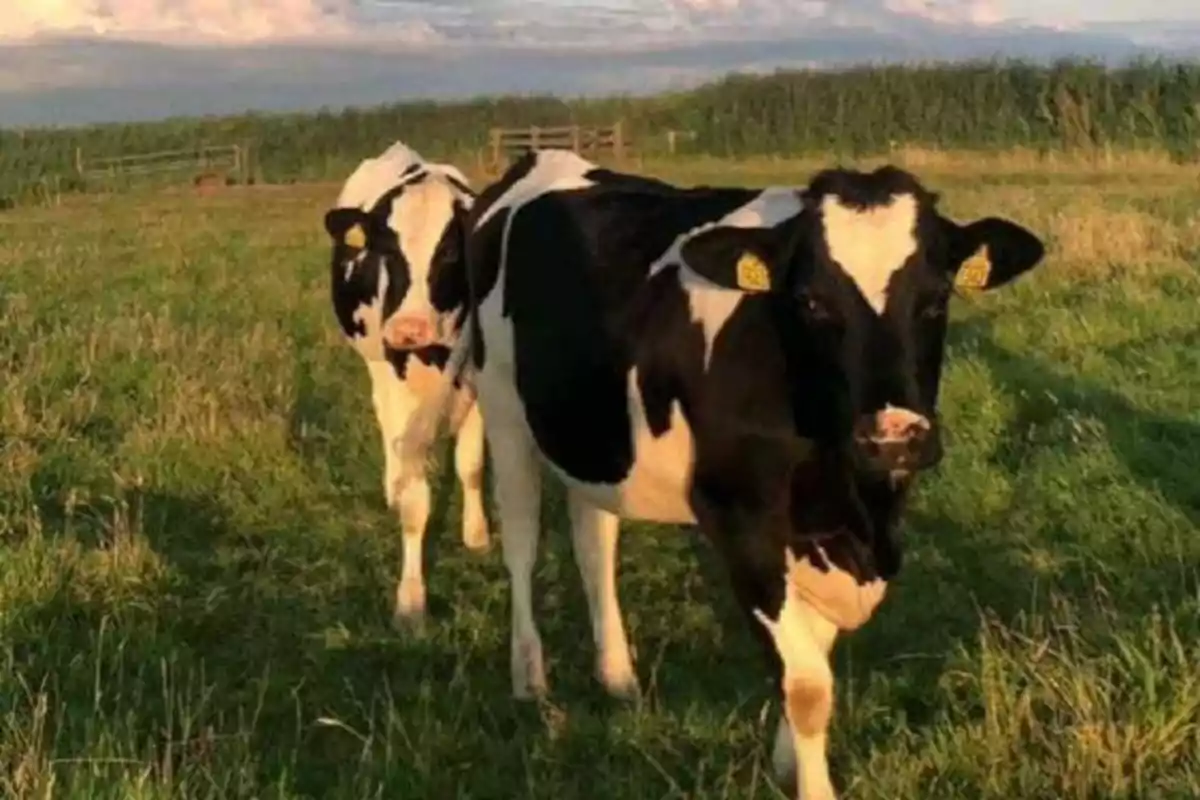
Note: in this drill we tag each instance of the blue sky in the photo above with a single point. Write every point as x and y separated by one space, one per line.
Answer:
70 61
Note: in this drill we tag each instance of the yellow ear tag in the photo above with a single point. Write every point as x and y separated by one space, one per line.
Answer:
974 272
752 274
356 237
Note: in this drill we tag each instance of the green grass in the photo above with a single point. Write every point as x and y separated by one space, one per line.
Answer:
196 565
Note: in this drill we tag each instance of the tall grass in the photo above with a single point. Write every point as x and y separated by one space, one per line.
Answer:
1068 105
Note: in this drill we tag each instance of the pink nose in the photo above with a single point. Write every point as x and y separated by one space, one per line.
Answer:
407 333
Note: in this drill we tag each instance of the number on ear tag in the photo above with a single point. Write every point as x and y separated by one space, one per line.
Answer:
356 237
752 273
974 272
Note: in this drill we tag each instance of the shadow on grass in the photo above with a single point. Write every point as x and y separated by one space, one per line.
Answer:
1161 452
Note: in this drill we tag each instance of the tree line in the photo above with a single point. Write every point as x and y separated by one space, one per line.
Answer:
1066 105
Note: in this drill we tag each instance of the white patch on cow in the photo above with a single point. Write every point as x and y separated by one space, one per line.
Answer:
369 344
420 216
553 171
872 244
834 593
711 307
374 177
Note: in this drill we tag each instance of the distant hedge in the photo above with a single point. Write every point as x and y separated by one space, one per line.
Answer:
984 105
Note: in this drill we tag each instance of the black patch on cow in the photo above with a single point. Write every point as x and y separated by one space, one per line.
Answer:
435 356
448 274
578 262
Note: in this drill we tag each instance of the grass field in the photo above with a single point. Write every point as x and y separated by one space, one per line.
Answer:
196 565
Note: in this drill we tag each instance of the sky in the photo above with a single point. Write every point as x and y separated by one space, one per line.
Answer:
70 61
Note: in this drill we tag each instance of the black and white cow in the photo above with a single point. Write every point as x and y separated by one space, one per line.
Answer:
399 223
764 363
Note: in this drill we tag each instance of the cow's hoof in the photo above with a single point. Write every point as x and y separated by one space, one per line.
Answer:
409 613
476 538
620 681
528 671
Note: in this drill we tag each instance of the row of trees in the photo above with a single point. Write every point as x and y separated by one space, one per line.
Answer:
992 105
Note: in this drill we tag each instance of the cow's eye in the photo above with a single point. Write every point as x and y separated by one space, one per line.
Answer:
814 309
933 307
933 310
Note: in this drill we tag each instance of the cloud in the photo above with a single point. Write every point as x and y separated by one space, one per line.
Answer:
178 20
71 61
424 22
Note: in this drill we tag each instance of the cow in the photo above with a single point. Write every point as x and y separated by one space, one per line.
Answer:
398 223
762 364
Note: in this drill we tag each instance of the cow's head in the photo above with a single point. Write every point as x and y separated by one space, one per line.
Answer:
388 256
860 280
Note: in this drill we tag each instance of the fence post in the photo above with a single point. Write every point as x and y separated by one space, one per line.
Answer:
534 136
576 139
79 160
619 140
495 143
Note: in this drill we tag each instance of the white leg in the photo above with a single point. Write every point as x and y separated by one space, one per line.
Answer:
385 388
394 406
803 639
594 534
414 502
468 463
518 487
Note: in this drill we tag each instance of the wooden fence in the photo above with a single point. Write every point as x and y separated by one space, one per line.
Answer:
228 161
590 141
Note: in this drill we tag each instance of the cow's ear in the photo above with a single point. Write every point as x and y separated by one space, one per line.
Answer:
348 226
990 252
748 259
455 176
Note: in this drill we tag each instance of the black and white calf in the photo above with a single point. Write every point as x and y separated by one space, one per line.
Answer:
764 363
398 224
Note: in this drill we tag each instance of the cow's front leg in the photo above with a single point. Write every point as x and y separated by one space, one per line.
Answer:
394 407
803 639
797 639
386 390
468 463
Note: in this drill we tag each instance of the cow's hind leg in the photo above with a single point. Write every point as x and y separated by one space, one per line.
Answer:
518 488
468 463
594 532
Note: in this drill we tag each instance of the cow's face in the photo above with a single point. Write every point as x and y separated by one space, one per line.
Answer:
872 271
860 281
400 246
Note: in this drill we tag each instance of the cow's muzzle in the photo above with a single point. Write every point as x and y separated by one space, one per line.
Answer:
407 332
895 443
